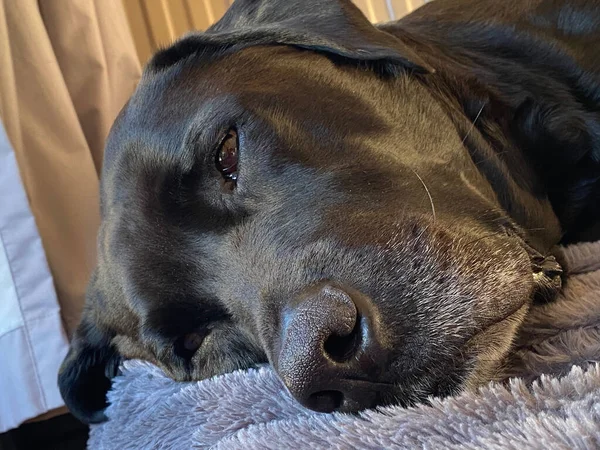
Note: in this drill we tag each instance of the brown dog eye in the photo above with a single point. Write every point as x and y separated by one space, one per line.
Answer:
227 156
192 341
188 344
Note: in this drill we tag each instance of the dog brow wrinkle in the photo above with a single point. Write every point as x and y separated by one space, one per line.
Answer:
426 190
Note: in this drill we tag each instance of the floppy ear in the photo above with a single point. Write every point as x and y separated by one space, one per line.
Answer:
562 139
85 374
335 27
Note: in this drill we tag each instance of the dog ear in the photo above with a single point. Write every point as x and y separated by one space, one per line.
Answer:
335 27
86 372
562 140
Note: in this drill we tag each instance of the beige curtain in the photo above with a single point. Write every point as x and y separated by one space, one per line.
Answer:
66 69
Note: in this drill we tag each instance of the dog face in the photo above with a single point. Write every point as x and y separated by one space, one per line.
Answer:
301 206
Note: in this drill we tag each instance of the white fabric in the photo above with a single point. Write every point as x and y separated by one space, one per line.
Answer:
32 340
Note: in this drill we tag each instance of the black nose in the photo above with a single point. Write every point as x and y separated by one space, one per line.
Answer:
329 350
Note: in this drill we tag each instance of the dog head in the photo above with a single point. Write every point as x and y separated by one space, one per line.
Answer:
284 189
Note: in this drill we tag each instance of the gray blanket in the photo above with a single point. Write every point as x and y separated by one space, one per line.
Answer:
552 401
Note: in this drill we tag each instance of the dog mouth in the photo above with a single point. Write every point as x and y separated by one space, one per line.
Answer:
369 379
360 394
335 356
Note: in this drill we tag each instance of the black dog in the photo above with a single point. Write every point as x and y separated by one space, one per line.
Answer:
368 209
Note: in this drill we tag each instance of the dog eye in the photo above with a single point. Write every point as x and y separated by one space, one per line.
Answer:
188 344
227 156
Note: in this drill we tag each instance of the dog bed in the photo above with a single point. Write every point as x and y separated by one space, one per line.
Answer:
551 401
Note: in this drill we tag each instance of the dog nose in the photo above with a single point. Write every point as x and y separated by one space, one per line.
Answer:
328 350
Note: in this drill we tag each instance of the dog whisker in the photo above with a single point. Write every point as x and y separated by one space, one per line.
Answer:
474 121
428 192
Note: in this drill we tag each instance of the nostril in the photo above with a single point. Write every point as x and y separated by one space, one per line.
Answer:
341 348
325 401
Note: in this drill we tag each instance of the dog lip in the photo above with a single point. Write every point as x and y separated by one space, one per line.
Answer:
360 394
365 382
505 317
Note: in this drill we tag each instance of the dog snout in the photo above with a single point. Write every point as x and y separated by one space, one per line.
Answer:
328 349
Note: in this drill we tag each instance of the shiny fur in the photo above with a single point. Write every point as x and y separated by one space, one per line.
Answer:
429 165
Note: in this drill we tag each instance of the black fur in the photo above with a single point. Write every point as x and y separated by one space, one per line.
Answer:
400 189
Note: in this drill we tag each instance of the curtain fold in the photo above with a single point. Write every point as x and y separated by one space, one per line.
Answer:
66 70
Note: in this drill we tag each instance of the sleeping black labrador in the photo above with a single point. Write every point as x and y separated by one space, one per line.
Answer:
370 210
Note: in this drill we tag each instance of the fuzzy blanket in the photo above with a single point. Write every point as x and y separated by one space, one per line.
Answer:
552 401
